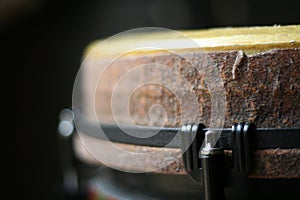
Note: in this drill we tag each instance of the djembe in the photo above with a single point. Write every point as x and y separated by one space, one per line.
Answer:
208 114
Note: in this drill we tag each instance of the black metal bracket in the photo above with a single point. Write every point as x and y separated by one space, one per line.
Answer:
192 138
242 146
209 166
264 138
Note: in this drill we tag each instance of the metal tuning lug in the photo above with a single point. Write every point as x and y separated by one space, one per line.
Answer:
213 169
206 166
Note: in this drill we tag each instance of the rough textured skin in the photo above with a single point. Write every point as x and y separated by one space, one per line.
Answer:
263 88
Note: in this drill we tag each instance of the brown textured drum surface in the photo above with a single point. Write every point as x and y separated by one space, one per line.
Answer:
260 71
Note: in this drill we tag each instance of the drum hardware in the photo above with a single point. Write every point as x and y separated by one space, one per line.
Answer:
203 165
263 138
213 175
241 139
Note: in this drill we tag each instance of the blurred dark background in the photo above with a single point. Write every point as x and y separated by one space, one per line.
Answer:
43 40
